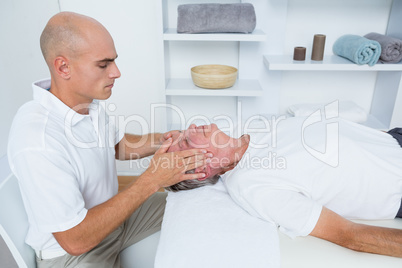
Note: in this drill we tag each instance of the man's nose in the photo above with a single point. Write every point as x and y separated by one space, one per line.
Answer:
115 72
190 129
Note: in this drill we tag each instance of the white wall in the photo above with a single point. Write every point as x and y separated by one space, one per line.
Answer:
21 62
21 22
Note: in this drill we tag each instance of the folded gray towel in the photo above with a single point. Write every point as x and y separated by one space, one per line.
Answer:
391 48
216 18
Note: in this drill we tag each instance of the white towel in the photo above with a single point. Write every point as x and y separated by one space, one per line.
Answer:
205 228
346 110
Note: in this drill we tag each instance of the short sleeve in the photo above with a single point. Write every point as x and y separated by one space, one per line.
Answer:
294 213
49 189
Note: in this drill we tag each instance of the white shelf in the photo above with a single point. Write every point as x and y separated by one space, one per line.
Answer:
186 87
172 35
330 63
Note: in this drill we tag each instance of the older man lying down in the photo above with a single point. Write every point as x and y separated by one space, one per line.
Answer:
309 178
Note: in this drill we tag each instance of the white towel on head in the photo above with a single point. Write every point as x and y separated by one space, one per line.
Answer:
205 228
346 110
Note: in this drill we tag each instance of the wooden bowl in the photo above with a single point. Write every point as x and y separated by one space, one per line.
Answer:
214 76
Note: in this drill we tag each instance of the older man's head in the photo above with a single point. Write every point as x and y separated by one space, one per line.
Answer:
215 141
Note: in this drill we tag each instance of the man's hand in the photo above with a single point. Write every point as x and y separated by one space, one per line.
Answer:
167 169
373 239
165 136
139 146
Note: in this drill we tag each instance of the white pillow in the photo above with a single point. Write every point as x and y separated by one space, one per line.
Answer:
344 109
205 228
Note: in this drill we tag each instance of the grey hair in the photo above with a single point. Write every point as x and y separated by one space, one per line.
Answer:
192 184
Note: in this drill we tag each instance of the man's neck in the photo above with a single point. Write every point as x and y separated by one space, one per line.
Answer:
78 104
239 150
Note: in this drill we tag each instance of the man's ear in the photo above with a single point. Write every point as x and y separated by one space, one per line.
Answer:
61 66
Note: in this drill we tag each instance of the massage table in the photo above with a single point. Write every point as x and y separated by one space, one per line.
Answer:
314 252
205 228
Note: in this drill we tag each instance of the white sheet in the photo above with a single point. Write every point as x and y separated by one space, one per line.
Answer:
205 228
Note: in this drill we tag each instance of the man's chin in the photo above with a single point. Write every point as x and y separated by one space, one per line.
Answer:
104 96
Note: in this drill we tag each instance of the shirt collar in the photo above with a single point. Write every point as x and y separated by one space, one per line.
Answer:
56 106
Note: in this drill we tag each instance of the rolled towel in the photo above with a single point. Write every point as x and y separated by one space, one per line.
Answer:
358 49
391 48
216 18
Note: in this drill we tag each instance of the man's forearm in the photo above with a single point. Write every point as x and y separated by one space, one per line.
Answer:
137 146
101 220
373 239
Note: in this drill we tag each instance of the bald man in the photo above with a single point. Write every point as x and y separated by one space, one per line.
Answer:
63 147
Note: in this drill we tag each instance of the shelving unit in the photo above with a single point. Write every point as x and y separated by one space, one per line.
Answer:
262 62
180 87
185 87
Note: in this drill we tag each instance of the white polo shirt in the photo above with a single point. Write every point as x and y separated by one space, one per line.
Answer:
64 162
288 174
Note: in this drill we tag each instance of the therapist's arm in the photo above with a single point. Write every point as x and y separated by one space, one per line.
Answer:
165 169
139 146
373 239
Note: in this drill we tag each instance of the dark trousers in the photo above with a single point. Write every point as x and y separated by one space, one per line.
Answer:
397 134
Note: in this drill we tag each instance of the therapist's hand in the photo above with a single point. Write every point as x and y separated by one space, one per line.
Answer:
165 136
167 169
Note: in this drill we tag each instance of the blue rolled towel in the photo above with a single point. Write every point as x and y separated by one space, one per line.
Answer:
358 49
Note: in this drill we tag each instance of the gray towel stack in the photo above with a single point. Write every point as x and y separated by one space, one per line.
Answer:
216 18
391 48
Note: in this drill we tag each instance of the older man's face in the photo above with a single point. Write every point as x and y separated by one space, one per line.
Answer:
208 137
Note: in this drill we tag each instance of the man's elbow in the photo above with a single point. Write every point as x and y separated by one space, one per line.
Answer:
75 251
72 247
